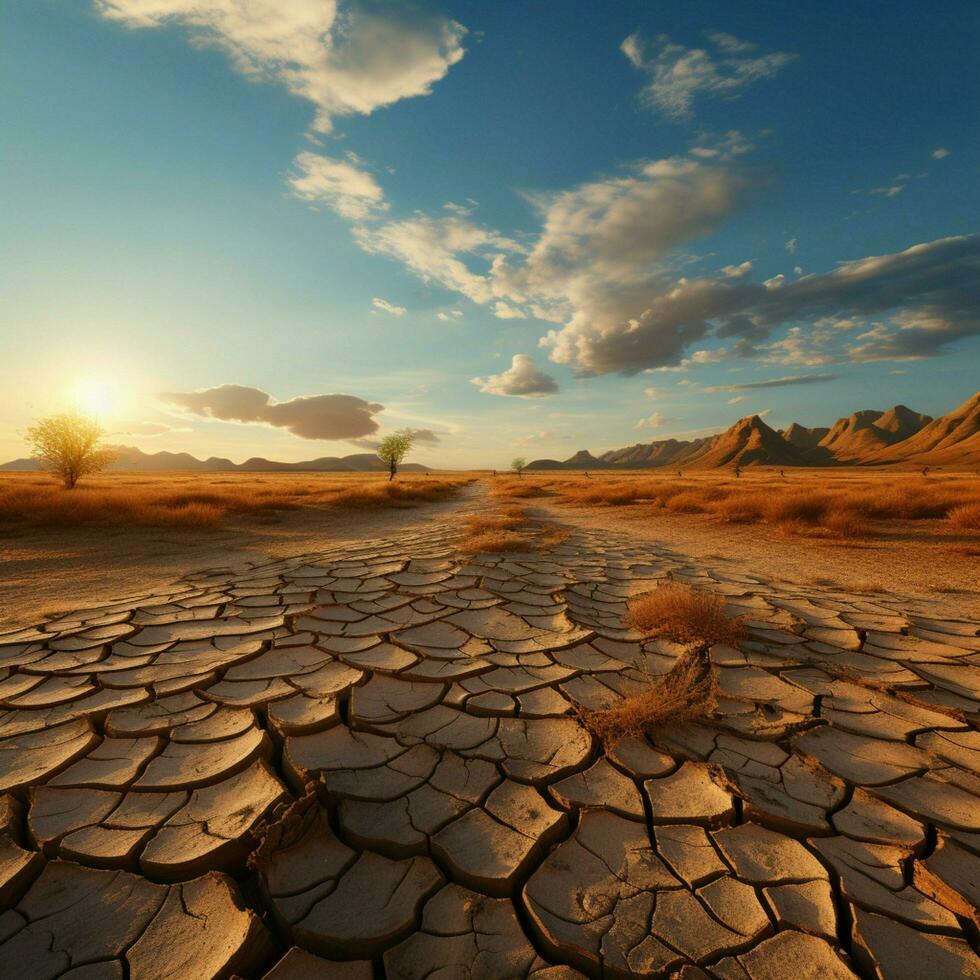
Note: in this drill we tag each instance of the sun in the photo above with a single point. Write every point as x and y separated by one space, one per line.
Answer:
96 396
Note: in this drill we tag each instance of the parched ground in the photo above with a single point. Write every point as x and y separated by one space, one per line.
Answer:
370 754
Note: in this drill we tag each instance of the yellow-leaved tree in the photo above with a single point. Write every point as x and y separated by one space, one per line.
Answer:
70 445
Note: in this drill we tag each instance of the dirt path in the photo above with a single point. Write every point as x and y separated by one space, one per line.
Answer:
47 571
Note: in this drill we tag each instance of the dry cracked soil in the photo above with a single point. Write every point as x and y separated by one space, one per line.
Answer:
367 762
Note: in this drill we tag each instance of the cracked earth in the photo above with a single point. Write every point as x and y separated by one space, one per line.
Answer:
367 762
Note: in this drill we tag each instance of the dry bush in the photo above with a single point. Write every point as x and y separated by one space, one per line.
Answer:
683 614
685 693
200 501
966 516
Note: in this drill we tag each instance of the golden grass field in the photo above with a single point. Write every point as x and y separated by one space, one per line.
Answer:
838 503
205 500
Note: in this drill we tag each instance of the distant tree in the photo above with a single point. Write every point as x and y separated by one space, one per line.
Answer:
70 445
394 449
518 465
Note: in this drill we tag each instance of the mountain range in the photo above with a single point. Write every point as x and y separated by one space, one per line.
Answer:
133 460
866 438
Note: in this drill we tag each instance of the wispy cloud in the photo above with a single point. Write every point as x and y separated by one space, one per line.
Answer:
342 185
385 307
678 76
798 379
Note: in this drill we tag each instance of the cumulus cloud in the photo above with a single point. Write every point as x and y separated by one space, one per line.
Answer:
940 153
678 76
450 316
309 416
345 58
799 379
655 421
342 185
522 380
385 307
929 295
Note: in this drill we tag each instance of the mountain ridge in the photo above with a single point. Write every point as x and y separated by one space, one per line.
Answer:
897 436
135 460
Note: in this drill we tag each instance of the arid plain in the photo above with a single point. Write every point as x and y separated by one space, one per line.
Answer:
554 725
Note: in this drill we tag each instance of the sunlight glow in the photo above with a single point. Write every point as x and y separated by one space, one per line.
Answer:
97 397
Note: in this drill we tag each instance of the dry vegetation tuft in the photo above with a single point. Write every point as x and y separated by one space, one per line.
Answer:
683 614
509 529
685 693
203 501
832 504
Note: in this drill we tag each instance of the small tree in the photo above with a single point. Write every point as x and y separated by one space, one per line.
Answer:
394 449
518 465
69 445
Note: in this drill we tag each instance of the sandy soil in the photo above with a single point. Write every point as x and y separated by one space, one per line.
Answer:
924 559
46 571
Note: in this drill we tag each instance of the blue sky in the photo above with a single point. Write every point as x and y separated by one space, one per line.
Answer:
202 204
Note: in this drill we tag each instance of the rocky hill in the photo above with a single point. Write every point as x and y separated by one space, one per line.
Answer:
897 436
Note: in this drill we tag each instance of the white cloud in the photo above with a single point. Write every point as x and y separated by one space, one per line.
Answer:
651 392
792 245
737 399
309 416
450 316
346 59
655 421
435 249
940 153
892 190
522 380
678 76
385 307
339 184
503 311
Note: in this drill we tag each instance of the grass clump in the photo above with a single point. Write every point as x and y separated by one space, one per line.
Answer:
509 529
685 693
966 517
683 614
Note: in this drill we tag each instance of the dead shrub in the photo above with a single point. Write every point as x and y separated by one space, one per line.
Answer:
685 693
683 614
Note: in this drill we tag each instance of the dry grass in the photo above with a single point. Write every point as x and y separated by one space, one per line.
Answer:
967 517
685 693
201 500
683 614
823 503
509 529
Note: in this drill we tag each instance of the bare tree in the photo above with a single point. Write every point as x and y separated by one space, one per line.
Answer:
393 449
518 465
69 445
